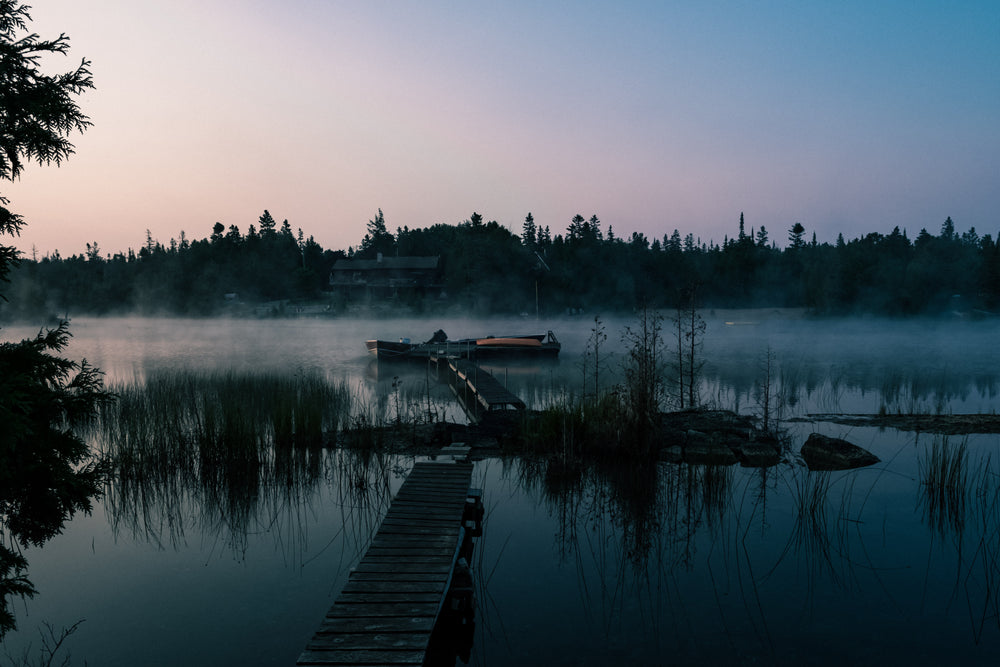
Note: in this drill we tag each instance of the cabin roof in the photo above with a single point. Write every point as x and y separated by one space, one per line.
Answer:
387 263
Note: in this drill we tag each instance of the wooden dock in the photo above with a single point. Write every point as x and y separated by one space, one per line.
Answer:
476 389
387 610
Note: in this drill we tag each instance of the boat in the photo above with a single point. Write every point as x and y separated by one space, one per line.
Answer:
489 347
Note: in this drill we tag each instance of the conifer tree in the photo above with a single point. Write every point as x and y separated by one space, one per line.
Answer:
528 235
46 473
795 234
267 224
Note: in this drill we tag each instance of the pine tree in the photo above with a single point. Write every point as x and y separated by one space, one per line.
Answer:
948 230
378 239
528 235
795 236
267 224
595 228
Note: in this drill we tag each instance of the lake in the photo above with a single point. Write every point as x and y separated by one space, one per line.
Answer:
677 564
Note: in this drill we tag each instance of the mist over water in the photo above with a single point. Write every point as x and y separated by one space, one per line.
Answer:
825 365
704 564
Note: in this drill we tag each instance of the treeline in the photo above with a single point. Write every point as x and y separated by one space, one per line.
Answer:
268 263
488 268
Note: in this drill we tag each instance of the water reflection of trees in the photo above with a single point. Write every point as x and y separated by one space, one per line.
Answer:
730 379
47 472
651 545
906 386
630 532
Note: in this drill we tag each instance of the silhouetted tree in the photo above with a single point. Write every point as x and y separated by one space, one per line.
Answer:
267 224
377 240
217 230
948 230
795 234
45 475
528 231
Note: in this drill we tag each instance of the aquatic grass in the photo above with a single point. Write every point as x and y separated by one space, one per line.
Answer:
223 437
944 485
982 577
599 428
811 535
175 414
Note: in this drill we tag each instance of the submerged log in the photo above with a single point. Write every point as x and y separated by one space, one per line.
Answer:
822 452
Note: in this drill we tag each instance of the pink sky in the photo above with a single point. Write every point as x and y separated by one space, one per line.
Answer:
846 119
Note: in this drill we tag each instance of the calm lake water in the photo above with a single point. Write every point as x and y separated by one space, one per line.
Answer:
679 564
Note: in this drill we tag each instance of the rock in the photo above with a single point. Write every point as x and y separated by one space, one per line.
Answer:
696 438
701 449
822 452
671 454
759 453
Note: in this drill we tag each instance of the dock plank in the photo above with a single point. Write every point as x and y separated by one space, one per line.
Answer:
383 566
376 609
370 641
414 577
362 657
375 624
381 586
382 597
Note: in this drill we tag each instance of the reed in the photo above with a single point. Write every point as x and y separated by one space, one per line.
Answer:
228 442
944 484
593 428
182 417
812 533
982 579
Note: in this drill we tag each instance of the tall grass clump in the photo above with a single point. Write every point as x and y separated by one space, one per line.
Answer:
577 428
614 423
230 442
643 391
944 484
185 419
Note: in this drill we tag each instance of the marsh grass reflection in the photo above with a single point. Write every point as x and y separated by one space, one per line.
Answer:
280 500
241 453
981 580
634 534
944 486
959 496
813 534
653 546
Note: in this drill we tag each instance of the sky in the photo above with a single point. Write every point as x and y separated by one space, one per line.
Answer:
848 117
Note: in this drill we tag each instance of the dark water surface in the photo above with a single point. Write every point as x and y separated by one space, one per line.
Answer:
680 564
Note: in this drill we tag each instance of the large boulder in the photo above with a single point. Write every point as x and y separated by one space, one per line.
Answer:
822 452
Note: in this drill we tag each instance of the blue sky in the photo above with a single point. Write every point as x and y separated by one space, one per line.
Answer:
847 117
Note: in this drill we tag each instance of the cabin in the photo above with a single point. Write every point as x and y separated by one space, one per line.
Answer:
387 278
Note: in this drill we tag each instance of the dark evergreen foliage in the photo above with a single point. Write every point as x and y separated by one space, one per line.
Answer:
488 268
46 470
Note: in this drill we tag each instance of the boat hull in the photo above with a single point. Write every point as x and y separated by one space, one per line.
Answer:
508 347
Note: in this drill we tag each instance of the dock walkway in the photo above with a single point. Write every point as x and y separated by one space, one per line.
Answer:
387 610
476 389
